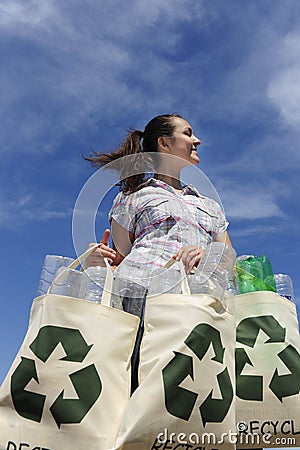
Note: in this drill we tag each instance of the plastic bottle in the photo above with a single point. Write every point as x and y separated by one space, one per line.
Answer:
66 282
214 270
92 283
165 281
255 274
268 275
284 286
50 267
232 285
130 287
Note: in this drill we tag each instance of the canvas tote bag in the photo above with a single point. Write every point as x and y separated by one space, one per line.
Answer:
186 391
267 371
70 381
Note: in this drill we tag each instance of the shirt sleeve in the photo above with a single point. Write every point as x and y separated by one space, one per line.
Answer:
222 223
123 211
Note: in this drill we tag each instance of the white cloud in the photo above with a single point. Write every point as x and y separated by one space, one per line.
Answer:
104 58
84 61
13 10
15 212
250 204
256 230
25 16
284 86
265 78
284 92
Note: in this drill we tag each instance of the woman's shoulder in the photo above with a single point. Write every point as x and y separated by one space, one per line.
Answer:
132 197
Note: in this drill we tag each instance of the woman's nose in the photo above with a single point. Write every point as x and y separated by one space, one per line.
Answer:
196 140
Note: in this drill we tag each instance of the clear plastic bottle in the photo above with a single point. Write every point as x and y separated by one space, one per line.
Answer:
201 284
92 283
50 267
66 282
214 270
232 285
284 286
165 281
130 287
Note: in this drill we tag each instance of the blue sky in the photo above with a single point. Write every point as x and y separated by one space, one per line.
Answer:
76 75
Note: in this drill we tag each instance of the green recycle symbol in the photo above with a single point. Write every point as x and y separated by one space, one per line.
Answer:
86 381
179 401
250 387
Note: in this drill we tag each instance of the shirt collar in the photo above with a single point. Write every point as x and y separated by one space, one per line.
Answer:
187 189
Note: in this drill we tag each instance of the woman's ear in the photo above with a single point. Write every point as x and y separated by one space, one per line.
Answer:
163 143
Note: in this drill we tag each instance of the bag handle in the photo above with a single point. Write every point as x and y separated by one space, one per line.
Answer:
108 284
80 260
185 288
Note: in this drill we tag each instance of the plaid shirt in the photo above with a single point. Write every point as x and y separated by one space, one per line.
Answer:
163 221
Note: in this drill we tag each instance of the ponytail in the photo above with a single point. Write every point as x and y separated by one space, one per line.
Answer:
132 146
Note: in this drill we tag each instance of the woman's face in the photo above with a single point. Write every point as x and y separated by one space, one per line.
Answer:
183 143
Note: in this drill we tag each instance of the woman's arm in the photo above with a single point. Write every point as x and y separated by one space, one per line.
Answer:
224 237
122 241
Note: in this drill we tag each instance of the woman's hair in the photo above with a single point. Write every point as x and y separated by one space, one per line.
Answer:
135 143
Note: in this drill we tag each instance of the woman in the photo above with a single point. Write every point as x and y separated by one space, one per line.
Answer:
155 219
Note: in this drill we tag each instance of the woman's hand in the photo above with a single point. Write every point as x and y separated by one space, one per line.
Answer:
102 251
190 256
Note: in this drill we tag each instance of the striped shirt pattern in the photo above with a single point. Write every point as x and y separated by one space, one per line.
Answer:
163 221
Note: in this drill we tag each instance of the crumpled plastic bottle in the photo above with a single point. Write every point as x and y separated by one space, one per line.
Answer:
255 273
284 286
